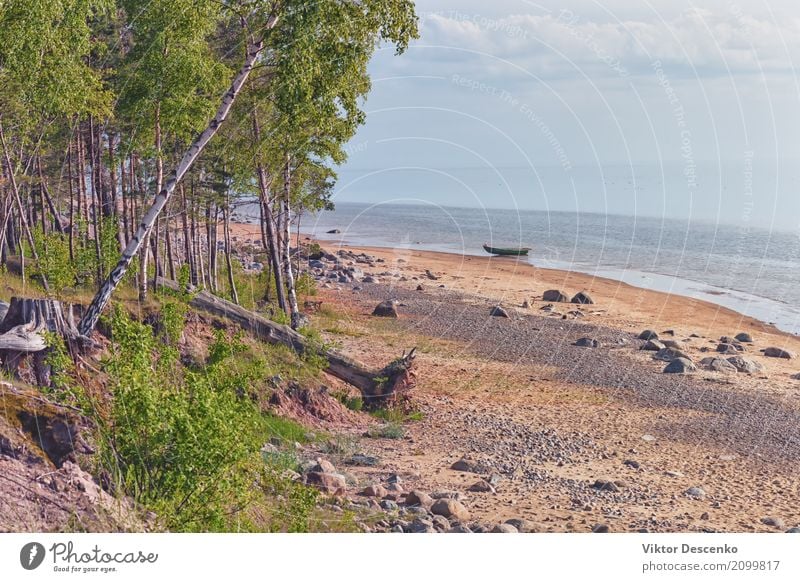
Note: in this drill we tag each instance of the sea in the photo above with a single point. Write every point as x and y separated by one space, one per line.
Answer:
752 270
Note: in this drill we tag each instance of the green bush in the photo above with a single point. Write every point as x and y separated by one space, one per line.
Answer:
54 262
190 450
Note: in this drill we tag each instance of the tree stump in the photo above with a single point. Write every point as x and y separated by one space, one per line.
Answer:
22 334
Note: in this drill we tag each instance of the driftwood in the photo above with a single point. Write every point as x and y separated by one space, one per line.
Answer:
22 330
375 385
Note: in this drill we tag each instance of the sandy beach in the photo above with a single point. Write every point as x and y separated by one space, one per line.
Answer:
578 437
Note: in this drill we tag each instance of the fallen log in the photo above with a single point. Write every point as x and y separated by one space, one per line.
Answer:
376 386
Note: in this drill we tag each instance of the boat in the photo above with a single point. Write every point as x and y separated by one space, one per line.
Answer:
518 252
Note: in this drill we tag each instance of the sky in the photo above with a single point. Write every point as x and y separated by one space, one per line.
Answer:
652 108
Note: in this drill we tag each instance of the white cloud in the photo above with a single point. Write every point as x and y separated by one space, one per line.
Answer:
694 42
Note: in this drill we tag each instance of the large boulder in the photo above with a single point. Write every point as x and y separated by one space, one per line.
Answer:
718 365
729 348
555 296
468 465
450 508
582 298
331 483
386 308
745 365
680 366
744 337
653 346
773 352
419 498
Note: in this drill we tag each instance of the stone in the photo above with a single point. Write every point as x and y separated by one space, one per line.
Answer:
386 309
726 348
375 491
600 528
775 522
718 365
481 486
744 337
332 483
605 485
672 344
420 287
745 365
587 342
696 493
419 498
793 530
421 526
334 231
631 463
360 460
648 334
526 305
323 466
389 505
669 354
555 296
653 346
680 366
522 525
459 529
582 298
498 311
440 523
504 528
468 465
450 508
773 352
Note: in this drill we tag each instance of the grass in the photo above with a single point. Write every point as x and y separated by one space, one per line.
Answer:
387 431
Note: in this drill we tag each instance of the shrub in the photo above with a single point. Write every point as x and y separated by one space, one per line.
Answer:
190 450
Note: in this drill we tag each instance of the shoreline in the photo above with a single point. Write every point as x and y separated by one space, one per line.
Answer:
510 280
765 310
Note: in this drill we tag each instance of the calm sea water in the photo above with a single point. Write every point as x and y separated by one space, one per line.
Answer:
752 270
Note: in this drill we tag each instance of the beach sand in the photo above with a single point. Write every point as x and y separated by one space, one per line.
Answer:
706 451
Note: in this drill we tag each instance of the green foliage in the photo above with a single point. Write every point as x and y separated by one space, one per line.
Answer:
306 285
190 450
54 262
355 403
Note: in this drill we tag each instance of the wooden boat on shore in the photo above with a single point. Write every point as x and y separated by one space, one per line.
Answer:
518 252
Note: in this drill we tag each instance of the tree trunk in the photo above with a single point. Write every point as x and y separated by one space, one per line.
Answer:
269 222
226 217
50 203
187 241
376 385
287 257
71 202
22 329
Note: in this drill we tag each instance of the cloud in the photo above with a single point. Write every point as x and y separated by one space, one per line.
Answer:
561 43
